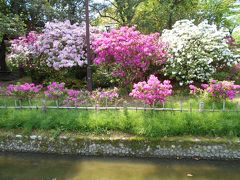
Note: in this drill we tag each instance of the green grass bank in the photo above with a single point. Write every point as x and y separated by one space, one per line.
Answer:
139 123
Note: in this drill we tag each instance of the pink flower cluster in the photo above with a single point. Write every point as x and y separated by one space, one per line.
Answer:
152 91
218 89
25 44
101 96
76 98
130 52
23 91
55 90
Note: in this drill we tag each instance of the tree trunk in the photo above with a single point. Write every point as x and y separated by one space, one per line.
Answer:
3 64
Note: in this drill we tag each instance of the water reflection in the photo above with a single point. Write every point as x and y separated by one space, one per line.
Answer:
25 166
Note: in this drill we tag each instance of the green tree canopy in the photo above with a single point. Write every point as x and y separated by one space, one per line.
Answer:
120 11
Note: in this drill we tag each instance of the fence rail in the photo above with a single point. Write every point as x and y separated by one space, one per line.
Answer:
96 108
43 105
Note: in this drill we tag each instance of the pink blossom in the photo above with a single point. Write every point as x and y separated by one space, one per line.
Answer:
129 52
55 90
101 96
152 91
219 90
24 91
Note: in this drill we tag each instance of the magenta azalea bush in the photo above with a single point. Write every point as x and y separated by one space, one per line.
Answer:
24 91
129 53
217 90
152 91
55 90
105 96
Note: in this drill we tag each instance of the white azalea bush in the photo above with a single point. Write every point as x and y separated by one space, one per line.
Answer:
198 51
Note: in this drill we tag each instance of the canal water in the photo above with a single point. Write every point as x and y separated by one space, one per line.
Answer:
49 167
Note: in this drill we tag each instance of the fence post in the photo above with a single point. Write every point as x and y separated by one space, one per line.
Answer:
44 107
15 102
190 107
181 105
30 103
213 107
75 104
57 103
5 102
144 107
224 105
201 106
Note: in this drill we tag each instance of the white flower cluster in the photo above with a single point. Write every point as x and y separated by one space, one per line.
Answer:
64 43
197 51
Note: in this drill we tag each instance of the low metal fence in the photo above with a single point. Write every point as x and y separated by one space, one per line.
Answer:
45 105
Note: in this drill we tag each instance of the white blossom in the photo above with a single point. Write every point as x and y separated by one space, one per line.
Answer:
198 51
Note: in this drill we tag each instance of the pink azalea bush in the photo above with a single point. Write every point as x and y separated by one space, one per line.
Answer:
24 91
55 90
152 91
129 53
217 90
76 97
105 96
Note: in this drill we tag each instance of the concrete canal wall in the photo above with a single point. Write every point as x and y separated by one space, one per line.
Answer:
122 146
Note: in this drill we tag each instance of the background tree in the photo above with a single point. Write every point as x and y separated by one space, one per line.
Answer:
215 11
120 11
11 26
156 15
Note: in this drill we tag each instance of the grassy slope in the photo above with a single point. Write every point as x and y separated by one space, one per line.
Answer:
147 124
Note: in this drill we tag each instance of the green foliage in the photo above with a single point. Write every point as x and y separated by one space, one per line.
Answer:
215 11
36 13
144 123
236 36
11 26
103 78
121 12
156 15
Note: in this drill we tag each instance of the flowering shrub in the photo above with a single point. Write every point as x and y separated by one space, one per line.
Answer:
55 90
23 49
64 44
76 98
23 91
197 51
105 96
152 91
129 53
217 90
